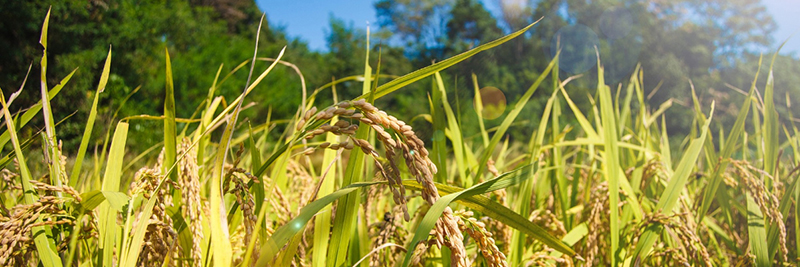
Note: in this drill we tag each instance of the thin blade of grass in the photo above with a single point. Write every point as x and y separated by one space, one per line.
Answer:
557 174
107 215
625 114
456 137
438 154
170 146
479 111
87 133
611 161
407 79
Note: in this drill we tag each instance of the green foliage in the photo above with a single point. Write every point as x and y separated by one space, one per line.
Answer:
201 35
590 181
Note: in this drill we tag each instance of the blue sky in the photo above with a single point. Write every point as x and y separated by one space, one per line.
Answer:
308 19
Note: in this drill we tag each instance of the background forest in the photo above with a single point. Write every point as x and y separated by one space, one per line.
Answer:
713 43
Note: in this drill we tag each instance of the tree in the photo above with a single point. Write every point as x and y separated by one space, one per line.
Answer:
673 40
469 25
419 24
200 35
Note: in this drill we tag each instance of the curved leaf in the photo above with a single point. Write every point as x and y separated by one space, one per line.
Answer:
505 180
414 76
282 235
500 213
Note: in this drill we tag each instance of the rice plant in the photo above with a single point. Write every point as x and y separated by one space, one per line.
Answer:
349 184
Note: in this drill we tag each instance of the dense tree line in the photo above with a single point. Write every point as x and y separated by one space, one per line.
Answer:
713 43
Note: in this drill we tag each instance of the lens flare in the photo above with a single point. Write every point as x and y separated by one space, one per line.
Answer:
577 44
493 101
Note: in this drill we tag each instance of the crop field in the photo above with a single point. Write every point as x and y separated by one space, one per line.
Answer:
344 182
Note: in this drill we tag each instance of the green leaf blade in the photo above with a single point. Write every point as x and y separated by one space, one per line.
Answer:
87 133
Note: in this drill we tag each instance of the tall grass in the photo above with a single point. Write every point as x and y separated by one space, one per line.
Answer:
349 184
